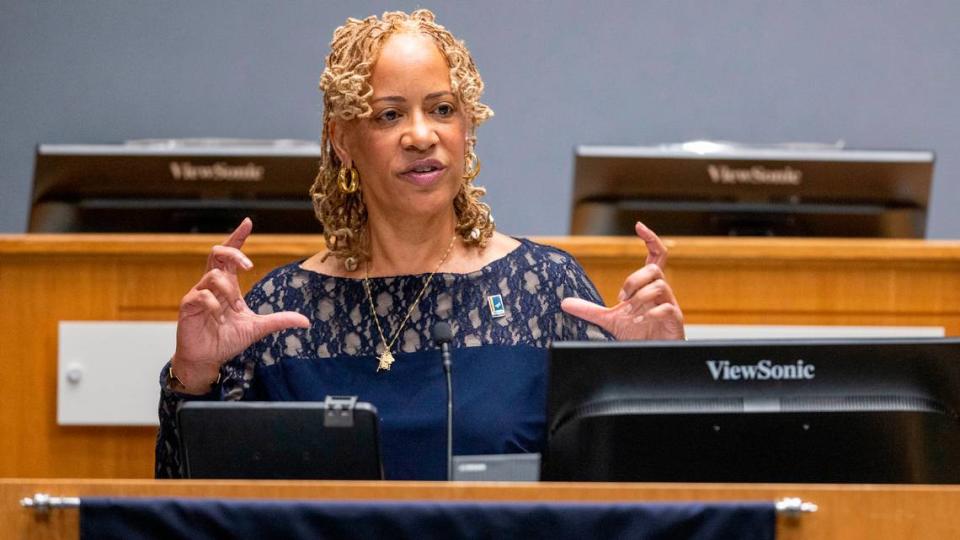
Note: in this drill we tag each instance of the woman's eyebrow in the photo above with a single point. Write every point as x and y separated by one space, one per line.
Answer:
401 99
436 95
388 98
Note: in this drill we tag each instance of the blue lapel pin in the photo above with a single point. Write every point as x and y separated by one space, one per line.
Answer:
495 303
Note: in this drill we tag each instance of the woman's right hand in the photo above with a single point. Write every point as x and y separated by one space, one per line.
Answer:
215 324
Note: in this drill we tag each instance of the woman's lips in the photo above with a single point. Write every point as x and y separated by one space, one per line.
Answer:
423 178
424 173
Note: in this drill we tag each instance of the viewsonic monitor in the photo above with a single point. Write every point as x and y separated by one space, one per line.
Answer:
337 439
704 188
808 411
174 186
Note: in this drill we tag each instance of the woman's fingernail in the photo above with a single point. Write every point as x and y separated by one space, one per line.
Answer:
622 295
238 305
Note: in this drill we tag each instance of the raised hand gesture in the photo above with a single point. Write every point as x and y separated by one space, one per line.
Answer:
215 323
647 308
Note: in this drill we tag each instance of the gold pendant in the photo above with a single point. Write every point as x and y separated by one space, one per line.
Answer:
385 360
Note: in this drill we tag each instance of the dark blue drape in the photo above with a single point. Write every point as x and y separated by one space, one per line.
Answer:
106 518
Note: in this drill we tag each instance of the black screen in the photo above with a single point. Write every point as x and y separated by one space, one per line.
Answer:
864 411
736 190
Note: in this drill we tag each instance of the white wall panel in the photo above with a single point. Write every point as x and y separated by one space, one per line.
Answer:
108 370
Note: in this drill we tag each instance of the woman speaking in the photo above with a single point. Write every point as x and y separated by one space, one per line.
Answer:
408 244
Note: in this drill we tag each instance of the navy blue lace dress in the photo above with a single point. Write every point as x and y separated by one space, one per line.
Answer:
499 362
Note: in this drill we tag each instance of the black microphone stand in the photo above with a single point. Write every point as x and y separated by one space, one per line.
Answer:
447 364
443 335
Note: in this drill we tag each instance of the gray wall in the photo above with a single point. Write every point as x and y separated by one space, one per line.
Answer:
877 74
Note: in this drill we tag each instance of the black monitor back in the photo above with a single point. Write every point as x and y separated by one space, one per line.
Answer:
336 440
204 186
835 411
709 189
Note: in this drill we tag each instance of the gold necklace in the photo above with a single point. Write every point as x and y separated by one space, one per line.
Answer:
386 359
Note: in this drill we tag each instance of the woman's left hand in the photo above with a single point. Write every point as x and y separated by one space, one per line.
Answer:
647 309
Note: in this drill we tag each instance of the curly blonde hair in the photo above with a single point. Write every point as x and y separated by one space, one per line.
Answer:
345 84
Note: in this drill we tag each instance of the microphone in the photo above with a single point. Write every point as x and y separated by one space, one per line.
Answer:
442 336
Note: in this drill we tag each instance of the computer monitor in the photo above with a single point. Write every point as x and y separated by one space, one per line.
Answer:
710 189
809 411
337 439
175 186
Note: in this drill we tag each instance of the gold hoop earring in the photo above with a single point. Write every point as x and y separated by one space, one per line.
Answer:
471 168
351 185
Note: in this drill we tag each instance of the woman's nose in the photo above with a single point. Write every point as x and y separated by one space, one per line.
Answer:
421 135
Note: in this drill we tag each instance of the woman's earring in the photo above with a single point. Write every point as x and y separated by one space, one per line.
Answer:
471 167
351 184
350 263
475 234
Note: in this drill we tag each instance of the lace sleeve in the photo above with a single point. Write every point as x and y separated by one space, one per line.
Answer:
575 283
167 462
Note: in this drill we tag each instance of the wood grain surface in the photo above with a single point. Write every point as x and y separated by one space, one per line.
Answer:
861 512
48 278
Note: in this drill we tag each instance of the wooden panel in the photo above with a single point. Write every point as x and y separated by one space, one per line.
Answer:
48 278
848 512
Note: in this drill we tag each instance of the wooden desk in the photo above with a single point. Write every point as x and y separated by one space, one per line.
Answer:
847 512
48 278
